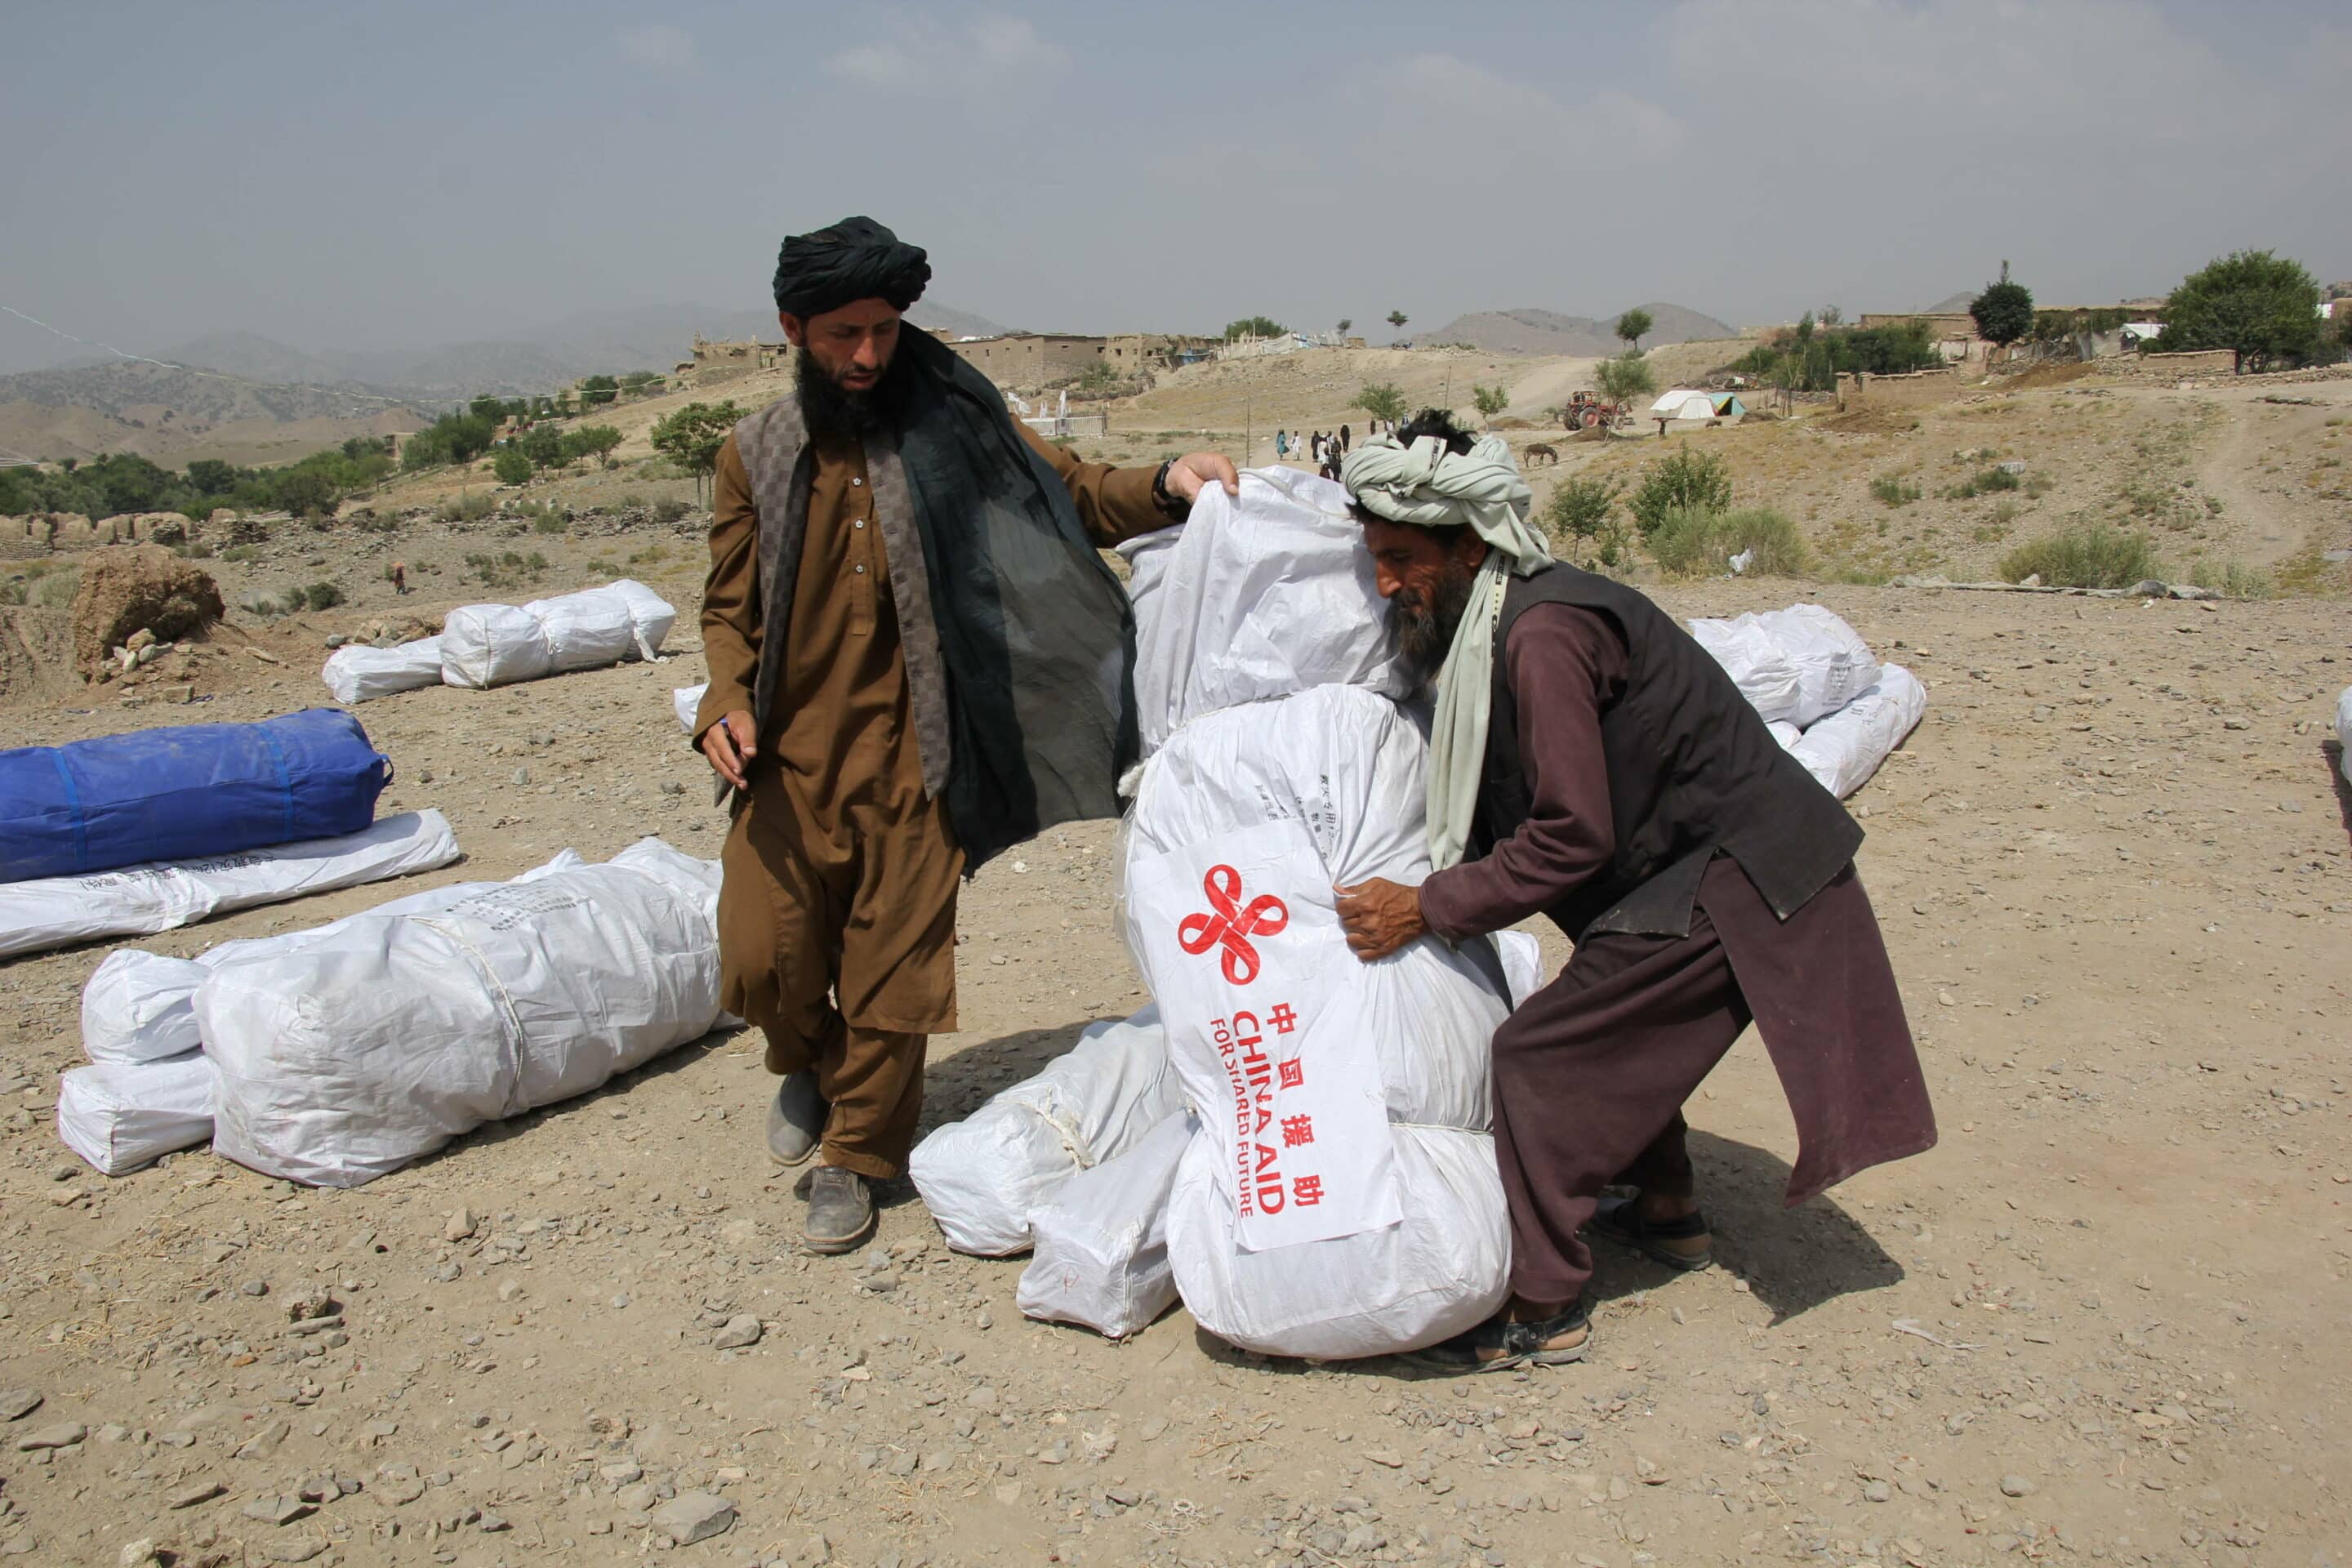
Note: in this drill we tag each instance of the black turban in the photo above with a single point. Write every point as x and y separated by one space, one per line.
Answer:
854 260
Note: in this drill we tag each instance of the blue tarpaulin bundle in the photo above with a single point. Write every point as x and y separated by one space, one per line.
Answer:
193 790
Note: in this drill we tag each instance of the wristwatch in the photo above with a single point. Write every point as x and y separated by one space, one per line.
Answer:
1164 499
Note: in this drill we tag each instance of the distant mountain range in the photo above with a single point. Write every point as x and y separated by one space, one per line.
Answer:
249 383
649 337
540 359
1533 331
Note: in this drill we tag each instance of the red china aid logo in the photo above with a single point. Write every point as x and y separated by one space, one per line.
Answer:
1232 925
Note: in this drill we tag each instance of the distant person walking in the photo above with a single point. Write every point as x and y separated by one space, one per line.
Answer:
1343 440
399 578
1281 444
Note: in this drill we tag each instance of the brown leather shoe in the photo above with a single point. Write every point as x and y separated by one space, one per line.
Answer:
1684 1244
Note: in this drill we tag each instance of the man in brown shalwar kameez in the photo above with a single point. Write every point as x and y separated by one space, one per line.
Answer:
1625 789
917 659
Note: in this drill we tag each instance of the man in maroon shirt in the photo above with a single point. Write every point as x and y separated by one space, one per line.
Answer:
1626 790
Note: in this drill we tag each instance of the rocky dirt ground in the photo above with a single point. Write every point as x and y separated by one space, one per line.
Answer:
2095 1324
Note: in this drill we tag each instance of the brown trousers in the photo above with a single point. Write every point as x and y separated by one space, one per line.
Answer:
1591 1074
840 946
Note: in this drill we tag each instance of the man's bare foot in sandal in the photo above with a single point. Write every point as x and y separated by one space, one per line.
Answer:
1545 1334
1667 1230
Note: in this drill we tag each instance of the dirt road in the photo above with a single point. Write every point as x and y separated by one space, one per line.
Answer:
2098 1323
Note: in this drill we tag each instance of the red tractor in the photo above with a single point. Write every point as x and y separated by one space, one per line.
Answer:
1586 412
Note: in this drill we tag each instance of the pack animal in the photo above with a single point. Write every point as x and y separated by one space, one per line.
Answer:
1541 451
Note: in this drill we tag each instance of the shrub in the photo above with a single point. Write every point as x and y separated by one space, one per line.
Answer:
668 510
1580 507
1895 492
466 508
1694 541
2083 555
551 523
1683 480
2235 578
55 589
511 466
322 596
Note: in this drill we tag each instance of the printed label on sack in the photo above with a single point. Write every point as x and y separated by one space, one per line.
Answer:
1243 948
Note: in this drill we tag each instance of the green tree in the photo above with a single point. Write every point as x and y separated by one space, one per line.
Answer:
1683 480
304 491
2260 306
1381 399
2004 312
212 477
1634 326
1255 327
597 391
511 465
487 407
1490 400
543 445
1344 324
1627 379
692 436
1581 507
590 441
1397 319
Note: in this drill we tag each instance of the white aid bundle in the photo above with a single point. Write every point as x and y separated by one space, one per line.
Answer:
982 1177
1798 664
139 1007
1102 1241
1252 598
1345 767
686 701
2344 733
1441 1268
495 645
344 1058
119 1116
358 673
1303 1222
1844 749
139 900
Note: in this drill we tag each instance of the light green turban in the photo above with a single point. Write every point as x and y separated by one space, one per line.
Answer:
1427 486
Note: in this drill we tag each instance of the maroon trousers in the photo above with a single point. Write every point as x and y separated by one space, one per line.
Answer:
1591 1074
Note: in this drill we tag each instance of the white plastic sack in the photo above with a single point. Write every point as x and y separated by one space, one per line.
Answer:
1442 1268
2344 733
139 901
1256 597
1800 664
139 1007
358 673
686 701
484 645
980 1177
1787 734
1346 766
495 645
121 1116
1844 749
1102 1241
1523 965
344 1058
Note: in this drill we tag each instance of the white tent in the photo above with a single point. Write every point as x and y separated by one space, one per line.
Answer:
1681 403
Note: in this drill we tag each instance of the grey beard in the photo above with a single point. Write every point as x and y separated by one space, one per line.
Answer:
1423 634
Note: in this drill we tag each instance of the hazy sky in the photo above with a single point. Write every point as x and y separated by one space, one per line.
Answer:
377 176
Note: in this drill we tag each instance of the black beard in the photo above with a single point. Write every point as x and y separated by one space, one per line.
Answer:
835 414
1423 629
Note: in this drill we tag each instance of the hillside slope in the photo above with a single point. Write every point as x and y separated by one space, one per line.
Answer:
1533 331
